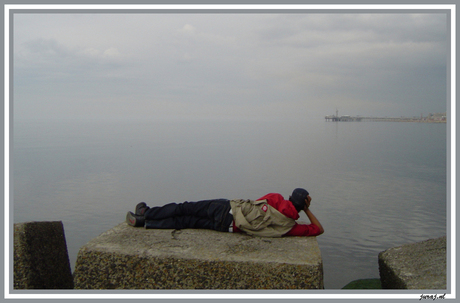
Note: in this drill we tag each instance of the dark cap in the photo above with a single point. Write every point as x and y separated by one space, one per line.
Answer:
298 198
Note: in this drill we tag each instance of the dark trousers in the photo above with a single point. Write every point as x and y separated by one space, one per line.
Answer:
206 214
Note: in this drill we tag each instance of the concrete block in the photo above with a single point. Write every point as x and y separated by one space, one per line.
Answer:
41 260
420 265
137 258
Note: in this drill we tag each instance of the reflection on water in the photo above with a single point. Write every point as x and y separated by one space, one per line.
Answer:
374 185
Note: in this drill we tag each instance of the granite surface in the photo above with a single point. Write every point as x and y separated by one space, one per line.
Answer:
41 259
137 258
420 265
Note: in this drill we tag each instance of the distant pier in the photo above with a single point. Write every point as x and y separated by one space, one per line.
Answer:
440 118
359 118
343 118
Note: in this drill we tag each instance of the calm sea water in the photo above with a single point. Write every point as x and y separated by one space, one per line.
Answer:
374 185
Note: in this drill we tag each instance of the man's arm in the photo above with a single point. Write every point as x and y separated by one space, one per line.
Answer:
311 216
314 220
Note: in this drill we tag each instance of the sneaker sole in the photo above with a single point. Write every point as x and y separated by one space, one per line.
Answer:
139 206
131 220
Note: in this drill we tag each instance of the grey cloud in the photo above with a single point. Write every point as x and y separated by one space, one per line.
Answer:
45 60
229 63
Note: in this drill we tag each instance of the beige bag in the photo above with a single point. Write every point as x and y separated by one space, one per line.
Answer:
259 218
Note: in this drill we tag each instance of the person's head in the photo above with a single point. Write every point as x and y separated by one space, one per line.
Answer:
298 198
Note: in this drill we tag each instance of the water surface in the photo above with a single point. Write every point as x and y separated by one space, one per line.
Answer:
374 185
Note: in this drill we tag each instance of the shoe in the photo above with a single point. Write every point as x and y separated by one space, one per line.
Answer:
134 220
141 208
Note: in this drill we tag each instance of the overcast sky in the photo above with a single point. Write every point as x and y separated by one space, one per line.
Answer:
229 65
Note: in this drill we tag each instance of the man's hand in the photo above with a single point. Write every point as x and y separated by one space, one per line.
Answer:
307 203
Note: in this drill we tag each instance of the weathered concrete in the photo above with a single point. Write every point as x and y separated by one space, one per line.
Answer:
137 258
419 265
41 260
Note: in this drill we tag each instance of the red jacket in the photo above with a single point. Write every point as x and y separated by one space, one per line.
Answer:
287 208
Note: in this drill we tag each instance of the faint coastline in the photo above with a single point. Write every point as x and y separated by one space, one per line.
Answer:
431 118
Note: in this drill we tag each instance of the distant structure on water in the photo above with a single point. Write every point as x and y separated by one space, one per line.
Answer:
338 118
438 117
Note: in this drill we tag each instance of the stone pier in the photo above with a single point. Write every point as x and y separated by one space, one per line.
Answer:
137 258
41 260
420 265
